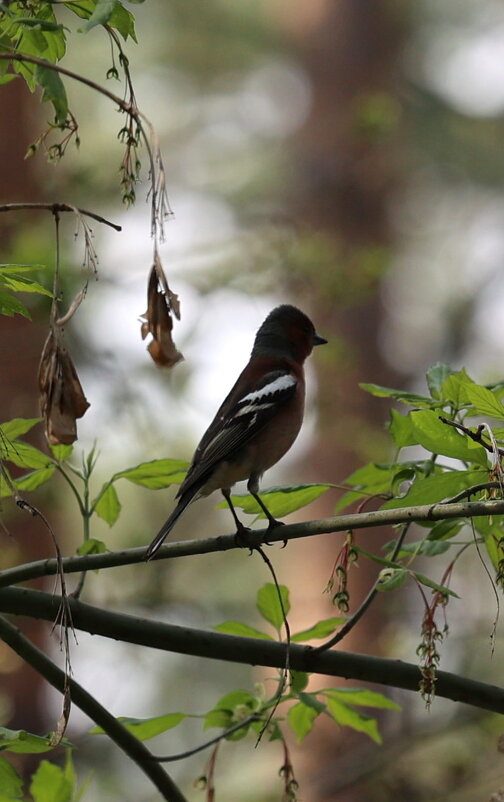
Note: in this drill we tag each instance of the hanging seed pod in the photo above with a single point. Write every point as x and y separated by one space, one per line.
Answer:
62 398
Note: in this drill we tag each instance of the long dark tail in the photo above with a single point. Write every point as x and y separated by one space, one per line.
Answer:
168 526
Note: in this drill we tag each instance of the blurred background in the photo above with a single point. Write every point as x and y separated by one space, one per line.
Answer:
342 156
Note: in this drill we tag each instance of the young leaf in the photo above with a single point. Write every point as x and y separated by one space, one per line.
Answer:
49 784
24 742
11 783
30 481
62 452
484 401
436 376
156 474
453 390
12 429
145 728
107 504
280 501
322 629
362 697
237 628
438 437
399 395
269 606
20 284
401 429
301 719
91 546
351 718
436 488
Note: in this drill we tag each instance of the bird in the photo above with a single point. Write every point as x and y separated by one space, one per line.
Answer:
256 423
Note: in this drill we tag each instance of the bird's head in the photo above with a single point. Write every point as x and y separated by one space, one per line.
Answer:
287 332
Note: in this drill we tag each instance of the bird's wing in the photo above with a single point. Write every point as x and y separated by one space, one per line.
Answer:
236 423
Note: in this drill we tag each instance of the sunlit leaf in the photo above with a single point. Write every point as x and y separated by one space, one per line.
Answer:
301 719
362 697
11 783
437 487
484 401
399 395
49 784
440 438
12 429
107 505
280 501
24 742
348 717
156 474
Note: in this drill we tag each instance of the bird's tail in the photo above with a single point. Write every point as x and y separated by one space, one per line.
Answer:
168 526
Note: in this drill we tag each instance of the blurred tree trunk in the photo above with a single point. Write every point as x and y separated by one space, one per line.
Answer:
344 183
21 345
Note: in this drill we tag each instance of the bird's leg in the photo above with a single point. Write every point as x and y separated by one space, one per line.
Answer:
253 488
242 536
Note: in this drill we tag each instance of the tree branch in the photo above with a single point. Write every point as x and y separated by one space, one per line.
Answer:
130 745
216 646
57 207
339 523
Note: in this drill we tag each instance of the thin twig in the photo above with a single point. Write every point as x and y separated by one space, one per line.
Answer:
58 207
201 747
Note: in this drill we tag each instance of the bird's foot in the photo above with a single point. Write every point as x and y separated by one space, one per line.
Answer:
244 538
273 524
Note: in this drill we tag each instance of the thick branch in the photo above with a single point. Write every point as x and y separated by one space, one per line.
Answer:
216 646
340 523
130 745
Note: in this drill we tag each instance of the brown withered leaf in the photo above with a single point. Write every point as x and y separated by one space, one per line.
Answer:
62 398
157 322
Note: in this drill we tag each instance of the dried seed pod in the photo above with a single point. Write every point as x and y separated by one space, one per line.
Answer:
62 398
157 321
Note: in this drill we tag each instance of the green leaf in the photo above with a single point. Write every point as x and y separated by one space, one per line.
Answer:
428 582
7 77
319 630
301 719
30 481
91 546
49 784
362 697
444 530
230 709
372 479
145 728
11 783
12 429
9 306
107 504
351 718
280 501
100 16
440 438
53 91
268 604
237 628
24 742
21 284
123 21
298 681
24 455
399 395
61 452
436 377
436 488
453 389
484 401
156 474
392 578
401 429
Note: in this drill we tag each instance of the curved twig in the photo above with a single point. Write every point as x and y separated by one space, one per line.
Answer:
54 208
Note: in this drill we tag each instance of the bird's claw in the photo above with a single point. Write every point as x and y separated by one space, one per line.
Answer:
273 524
243 538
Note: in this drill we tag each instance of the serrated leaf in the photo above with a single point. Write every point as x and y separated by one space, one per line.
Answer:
351 718
280 501
156 474
49 784
145 728
428 582
24 742
243 630
401 429
301 719
436 377
362 697
53 91
399 395
436 488
107 504
11 783
9 306
12 429
440 438
268 604
484 401
24 455
319 630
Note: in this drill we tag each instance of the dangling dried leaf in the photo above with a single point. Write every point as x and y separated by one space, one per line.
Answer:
62 398
157 319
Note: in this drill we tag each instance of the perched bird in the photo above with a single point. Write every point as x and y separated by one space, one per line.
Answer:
257 422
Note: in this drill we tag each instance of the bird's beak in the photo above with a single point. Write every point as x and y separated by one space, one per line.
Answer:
318 340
